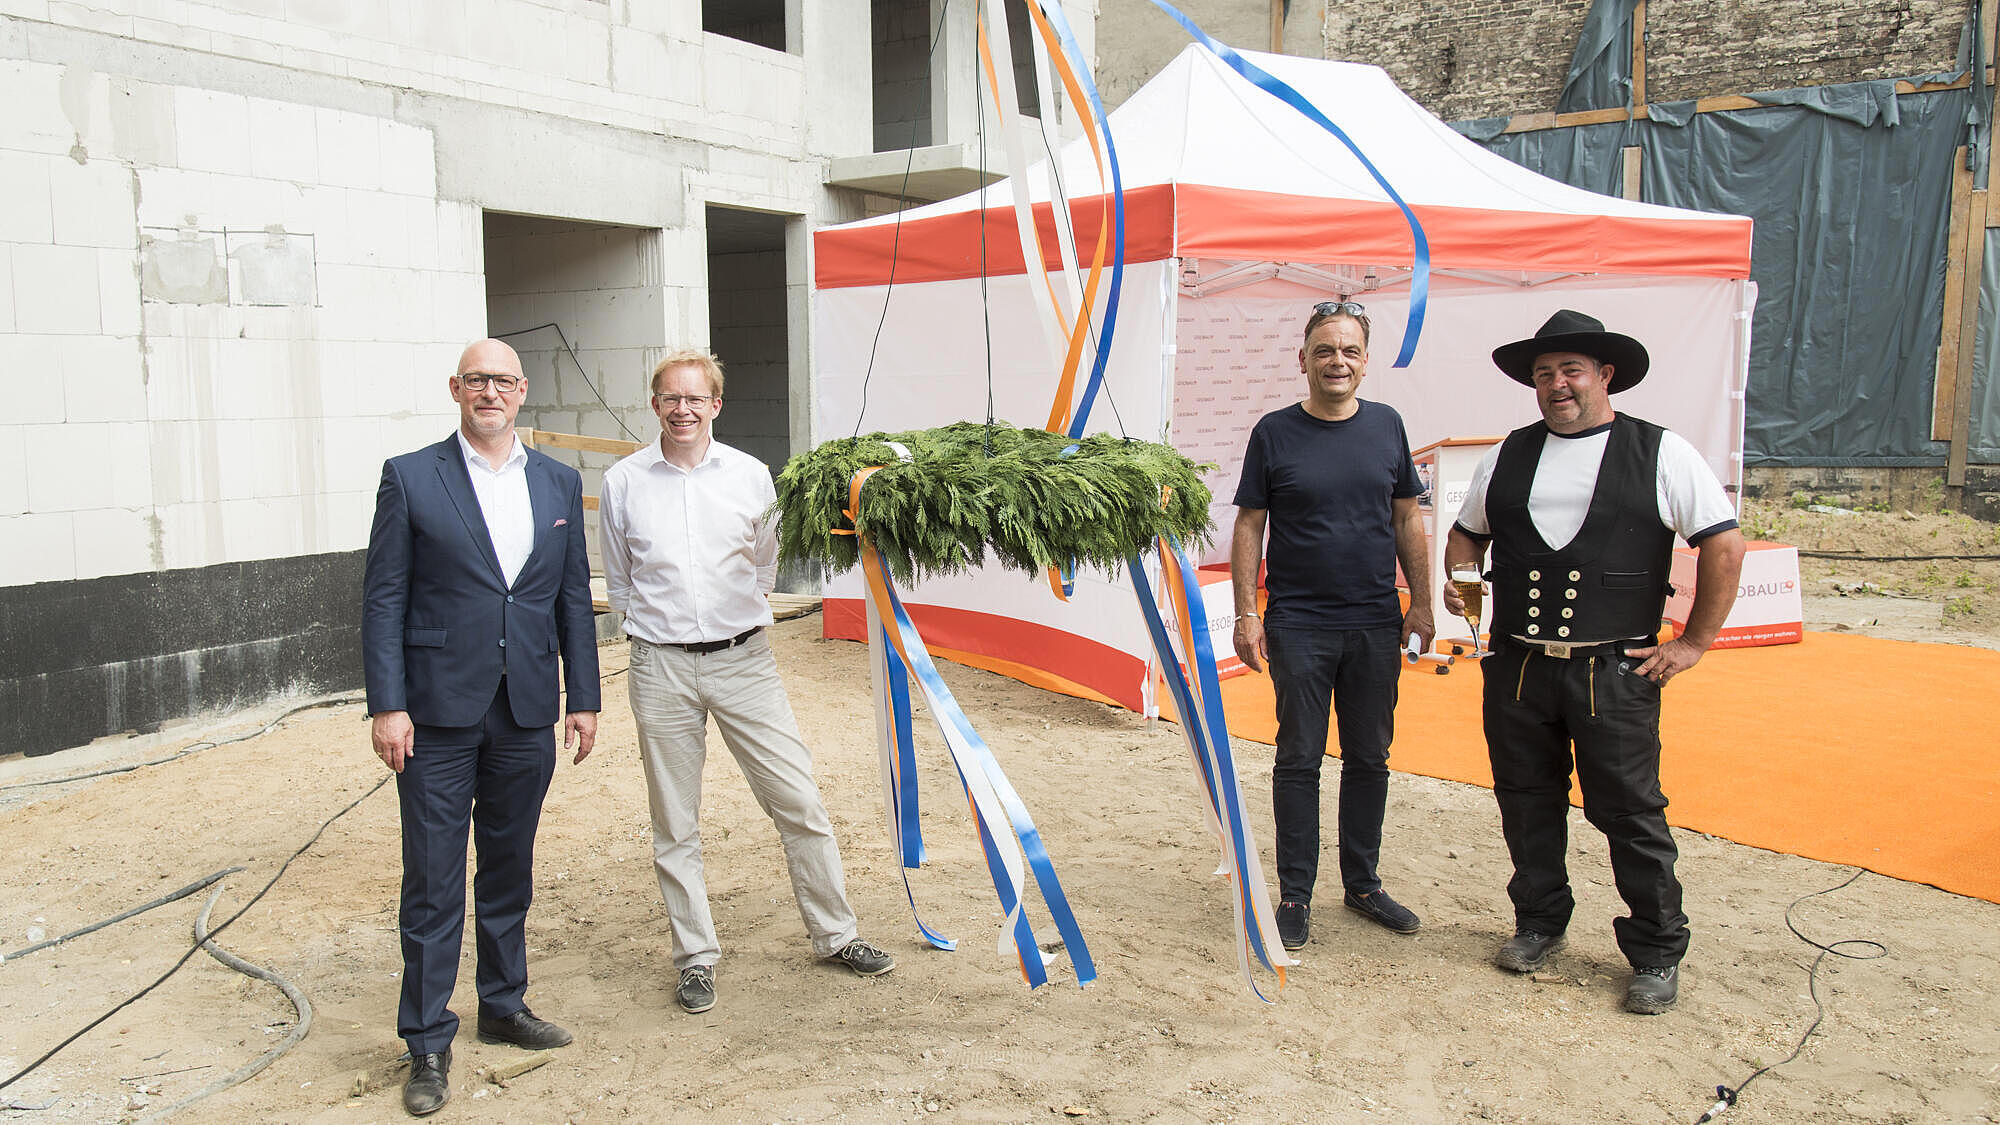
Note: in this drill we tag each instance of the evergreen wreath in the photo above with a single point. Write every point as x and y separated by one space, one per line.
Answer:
972 487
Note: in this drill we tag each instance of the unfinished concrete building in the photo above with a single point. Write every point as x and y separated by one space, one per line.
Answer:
242 242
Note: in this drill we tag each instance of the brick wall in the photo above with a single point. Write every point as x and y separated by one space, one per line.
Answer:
1490 58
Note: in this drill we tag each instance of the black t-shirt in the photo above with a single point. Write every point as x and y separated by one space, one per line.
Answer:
1331 560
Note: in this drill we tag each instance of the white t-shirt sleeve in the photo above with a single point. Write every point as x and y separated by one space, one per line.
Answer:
1472 513
1691 499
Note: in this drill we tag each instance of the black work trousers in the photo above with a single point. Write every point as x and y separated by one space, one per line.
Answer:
1543 714
1354 670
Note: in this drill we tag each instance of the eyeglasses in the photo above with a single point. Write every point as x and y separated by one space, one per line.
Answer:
675 402
1339 308
505 384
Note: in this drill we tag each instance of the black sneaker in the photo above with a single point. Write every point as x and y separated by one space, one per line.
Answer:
864 959
696 991
1294 924
1653 990
1527 951
1384 911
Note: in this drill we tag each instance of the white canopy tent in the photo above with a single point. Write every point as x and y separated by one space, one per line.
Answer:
1240 213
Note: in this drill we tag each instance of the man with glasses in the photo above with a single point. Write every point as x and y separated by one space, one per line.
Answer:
1582 509
690 551
1332 481
476 580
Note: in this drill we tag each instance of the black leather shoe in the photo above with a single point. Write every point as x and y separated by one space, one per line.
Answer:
522 1029
1294 924
1527 951
1384 911
1653 989
429 1086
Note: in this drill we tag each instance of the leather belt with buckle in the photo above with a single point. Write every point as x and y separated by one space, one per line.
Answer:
1562 651
703 648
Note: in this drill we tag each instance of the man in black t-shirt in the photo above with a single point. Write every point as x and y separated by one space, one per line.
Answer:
1332 480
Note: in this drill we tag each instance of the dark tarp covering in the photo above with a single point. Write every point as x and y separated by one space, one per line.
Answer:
1600 73
1848 254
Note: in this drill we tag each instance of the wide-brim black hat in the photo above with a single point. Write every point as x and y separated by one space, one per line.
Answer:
1572 331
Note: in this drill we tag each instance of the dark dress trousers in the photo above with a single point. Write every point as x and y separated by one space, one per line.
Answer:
474 662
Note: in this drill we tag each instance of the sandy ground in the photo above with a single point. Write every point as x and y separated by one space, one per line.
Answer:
1372 1026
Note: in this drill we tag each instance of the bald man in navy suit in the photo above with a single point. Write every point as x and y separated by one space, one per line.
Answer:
477 580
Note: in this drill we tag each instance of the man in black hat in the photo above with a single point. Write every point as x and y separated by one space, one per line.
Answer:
1582 509
1331 478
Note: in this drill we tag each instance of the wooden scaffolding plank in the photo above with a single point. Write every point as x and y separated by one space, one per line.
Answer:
1961 403
1943 389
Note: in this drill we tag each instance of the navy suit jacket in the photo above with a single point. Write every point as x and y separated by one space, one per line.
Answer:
439 624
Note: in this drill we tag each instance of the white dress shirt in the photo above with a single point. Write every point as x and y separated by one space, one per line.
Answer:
503 500
689 553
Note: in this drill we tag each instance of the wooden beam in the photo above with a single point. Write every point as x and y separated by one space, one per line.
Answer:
1639 54
1277 27
1634 174
1961 401
549 439
1533 122
1943 392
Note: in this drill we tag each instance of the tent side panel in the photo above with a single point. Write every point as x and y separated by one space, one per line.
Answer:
1067 663
957 246
1230 223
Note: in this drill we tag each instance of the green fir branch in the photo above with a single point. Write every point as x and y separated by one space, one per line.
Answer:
974 491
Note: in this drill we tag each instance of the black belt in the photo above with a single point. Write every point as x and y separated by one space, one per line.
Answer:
703 648
1574 652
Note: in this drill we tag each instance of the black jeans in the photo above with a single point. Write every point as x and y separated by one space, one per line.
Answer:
1541 715
1355 670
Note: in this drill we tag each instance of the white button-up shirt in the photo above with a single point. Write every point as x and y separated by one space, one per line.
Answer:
689 553
503 500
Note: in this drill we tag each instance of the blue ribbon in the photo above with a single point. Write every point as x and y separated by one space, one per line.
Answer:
1207 730
909 833
1420 274
945 709
1054 14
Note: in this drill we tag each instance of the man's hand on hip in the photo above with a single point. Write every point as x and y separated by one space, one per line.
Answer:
1664 662
394 737
580 727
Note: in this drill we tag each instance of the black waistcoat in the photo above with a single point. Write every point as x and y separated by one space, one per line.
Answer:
1610 581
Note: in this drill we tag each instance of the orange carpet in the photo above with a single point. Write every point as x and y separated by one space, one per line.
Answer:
1852 750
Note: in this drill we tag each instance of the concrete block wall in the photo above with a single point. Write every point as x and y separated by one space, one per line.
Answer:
604 286
747 294
902 32
225 336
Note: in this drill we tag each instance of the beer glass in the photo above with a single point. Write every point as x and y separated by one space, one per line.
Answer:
1466 580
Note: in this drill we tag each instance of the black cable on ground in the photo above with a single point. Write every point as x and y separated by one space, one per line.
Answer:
116 918
186 750
192 950
1896 558
300 1027
1726 1096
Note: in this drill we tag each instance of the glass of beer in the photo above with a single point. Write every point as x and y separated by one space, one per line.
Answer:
1466 580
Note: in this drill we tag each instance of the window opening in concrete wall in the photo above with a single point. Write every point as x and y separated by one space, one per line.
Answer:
902 73
749 330
601 289
753 21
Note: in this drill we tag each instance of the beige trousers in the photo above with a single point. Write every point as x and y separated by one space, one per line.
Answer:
673 693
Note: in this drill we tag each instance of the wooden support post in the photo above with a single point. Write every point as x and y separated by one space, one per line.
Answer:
1277 27
1943 395
1638 57
1634 180
1968 329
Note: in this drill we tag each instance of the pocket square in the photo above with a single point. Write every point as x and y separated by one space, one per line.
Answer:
562 523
